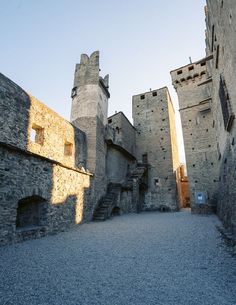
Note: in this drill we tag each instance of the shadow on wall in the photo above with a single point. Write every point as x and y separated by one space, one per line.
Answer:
39 195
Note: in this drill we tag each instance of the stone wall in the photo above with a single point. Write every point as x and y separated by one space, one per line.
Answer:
41 176
124 132
118 165
191 83
220 49
28 176
154 146
29 124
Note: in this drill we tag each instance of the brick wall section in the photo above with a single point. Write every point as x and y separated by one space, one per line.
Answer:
153 138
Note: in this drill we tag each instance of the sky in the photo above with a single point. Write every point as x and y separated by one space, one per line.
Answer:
140 42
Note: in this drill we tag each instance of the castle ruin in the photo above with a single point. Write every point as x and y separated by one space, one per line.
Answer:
56 174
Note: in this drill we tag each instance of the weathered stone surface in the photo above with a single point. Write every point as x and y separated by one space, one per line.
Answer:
221 43
212 163
155 144
31 170
199 131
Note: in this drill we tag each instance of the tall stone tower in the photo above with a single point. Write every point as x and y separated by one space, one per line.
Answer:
192 85
156 145
89 113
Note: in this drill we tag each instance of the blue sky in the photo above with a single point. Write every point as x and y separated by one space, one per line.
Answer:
139 41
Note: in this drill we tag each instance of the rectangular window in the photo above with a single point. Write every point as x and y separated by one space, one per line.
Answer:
154 93
145 158
68 149
36 134
227 113
156 182
212 38
179 72
217 56
190 68
142 97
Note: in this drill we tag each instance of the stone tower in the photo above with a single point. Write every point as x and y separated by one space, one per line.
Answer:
192 85
89 113
156 145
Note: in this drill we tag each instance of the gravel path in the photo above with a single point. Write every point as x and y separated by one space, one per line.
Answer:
150 258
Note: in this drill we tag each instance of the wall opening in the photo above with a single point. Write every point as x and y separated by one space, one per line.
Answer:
31 212
115 211
68 149
36 134
145 158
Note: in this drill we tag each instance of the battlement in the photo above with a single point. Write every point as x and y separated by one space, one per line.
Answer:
191 73
87 73
150 94
90 92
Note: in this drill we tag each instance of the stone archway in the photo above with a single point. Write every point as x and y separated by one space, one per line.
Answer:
31 212
116 211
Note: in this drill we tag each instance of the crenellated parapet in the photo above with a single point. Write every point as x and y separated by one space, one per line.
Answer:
189 74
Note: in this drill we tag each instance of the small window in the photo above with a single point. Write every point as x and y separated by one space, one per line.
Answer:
193 165
73 92
179 72
154 93
142 97
36 134
203 72
68 149
190 68
203 64
217 56
145 158
182 80
156 182
137 106
109 121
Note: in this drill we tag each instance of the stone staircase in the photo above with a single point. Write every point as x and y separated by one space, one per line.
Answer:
137 173
107 203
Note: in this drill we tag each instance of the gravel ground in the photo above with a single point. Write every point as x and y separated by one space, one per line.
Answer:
150 258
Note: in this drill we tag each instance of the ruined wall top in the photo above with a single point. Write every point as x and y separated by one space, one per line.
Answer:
29 125
189 74
87 72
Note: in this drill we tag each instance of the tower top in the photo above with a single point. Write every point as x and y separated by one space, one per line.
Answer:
87 72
